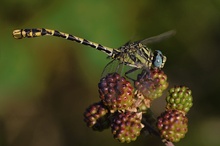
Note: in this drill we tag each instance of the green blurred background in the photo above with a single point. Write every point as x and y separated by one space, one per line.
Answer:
47 83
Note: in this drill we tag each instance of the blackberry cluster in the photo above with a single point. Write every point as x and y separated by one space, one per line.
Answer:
125 109
96 116
172 125
151 83
126 126
116 92
179 98
117 109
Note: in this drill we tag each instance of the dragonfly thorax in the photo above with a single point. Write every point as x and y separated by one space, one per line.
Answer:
139 56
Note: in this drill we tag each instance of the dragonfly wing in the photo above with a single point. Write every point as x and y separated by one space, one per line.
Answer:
159 37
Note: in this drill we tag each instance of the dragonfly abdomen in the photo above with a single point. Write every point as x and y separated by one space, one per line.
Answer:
37 32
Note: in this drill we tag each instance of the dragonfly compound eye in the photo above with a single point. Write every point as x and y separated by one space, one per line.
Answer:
159 59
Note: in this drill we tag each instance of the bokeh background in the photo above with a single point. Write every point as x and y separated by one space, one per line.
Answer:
46 83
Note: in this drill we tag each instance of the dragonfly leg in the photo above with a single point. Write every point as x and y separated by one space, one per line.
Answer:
104 70
145 72
129 72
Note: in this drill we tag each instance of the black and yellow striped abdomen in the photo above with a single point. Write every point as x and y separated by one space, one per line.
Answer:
37 32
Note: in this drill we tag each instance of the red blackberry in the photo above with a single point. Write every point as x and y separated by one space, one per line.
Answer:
126 126
116 92
96 116
151 83
172 125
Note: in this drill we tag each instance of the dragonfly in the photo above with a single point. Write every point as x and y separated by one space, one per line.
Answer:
134 54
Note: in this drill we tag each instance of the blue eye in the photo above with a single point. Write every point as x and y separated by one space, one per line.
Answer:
158 59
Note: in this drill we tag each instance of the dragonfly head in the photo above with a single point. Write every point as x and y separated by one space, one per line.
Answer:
159 59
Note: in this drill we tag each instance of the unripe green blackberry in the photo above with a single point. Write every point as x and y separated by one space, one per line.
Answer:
179 98
126 126
151 83
116 92
96 116
172 125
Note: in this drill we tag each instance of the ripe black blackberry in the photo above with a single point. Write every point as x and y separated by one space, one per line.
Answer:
116 92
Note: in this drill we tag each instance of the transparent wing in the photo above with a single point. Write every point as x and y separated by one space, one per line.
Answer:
159 37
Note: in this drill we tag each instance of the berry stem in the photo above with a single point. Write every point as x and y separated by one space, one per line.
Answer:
150 126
